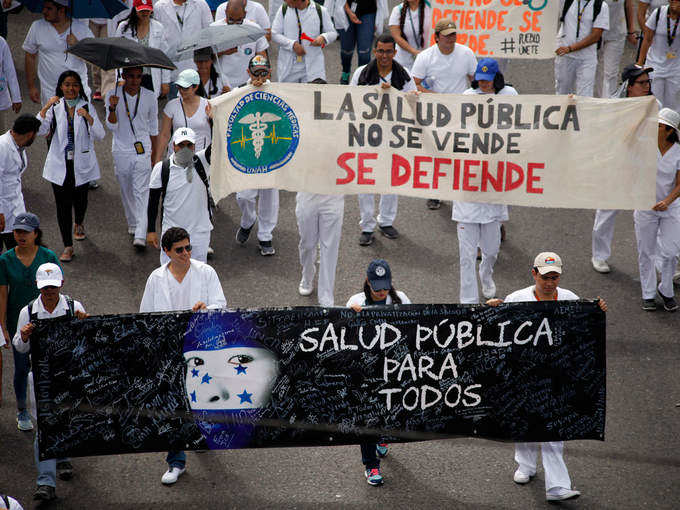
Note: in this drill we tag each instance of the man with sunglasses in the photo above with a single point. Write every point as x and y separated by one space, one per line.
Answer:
180 284
50 304
546 271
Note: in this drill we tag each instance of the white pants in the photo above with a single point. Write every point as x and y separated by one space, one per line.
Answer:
556 474
575 76
199 247
267 213
667 90
609 58
603 232
296 74
319 219
486 236
657 234
387 211
133 171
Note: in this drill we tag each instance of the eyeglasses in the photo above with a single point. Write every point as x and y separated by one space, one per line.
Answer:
384 52
180 249
260 73
185 88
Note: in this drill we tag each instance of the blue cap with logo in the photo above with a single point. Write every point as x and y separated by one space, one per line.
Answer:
379 275
487 68
26 221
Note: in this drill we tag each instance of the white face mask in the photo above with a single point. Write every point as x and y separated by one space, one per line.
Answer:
184 157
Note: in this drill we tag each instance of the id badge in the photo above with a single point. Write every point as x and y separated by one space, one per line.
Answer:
139 147
69 155
353 7
671 55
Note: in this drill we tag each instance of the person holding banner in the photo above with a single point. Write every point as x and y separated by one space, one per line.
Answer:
378 290
49 305
446 68
410 26
660 226
385 71
182 283
582 25
546 271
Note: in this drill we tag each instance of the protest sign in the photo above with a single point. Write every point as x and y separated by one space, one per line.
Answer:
547 151
313 376
502 28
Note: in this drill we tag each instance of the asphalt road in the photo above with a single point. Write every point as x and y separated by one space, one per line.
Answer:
637 466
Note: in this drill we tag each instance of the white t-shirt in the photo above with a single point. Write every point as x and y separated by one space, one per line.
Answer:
144 118
505 91
180 292
411 28
445 73
186 203
235 66
360 299
667 169
43 39
617 21
527 294
199 121
254 12
408 86
652 4
571 31
657 56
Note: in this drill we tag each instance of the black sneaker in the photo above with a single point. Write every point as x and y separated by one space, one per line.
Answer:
389 232
94 185
266 248
242 234
45 493
64 470
366 239
669 303
434 204
649 305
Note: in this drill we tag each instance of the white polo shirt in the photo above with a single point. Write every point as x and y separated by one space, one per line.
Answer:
235 66
567 34
527 294
254 12
445 73
143 116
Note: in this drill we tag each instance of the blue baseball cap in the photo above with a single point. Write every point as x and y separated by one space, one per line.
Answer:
26 221
379 275
486 69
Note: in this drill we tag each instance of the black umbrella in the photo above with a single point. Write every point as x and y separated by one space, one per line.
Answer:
118 52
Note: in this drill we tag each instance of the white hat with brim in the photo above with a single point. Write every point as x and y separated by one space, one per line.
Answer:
188 78
548 262
49 275
670 118
184 134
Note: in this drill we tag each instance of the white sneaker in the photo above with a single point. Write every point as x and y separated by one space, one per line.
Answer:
304 290
520 477
171 475
489 292
560 494
600 266
139 243
131 230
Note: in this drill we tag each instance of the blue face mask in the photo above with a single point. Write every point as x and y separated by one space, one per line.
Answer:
71 102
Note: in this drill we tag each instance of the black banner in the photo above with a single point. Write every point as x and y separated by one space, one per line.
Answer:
313 376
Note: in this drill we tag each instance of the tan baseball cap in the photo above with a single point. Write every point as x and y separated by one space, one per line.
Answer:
548 262
445 26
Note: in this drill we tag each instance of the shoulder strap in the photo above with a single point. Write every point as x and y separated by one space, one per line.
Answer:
567 4
198 165
71 307
284 8
165 177
597 7
318 12
658 15
32 316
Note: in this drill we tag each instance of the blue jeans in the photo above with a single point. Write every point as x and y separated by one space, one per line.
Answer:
369 456
47 469
22 366
361 36
176 459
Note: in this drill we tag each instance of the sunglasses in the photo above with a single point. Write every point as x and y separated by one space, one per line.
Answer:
260 73
549 278
181 249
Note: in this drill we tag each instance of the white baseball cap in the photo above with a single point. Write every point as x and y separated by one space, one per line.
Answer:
184 134
187 78
670 118
49 275
548 262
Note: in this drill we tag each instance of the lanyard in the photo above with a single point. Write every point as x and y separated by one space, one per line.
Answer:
671 37
297 15
580 15
184 16
127 110
416 35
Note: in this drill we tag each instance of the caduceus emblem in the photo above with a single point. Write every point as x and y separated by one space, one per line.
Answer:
257 123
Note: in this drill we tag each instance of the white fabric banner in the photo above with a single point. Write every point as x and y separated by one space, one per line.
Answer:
546 151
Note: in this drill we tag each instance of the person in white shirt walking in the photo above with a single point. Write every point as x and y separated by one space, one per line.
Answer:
546 271
10 93
182 183
581 28
133 120
385 71
410 26
181 283
45 43
50 304
621 28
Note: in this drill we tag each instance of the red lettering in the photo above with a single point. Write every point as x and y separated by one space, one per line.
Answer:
437 173
511 169
342 163
487 178
468 174
418 173
399 178
531 178
362 170
456 174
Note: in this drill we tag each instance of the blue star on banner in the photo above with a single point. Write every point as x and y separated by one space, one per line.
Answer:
240 369
245 397
194 372
193 396
206 379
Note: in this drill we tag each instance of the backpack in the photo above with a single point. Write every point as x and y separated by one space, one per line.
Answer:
33 316
284 8
198 165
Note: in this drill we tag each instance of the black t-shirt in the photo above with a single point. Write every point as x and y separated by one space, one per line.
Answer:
364 7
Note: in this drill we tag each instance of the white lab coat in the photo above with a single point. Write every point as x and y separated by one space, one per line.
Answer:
156 40
11 168
9 85
205 287
85 164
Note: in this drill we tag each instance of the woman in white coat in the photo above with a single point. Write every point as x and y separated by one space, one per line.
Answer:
139 27
71 124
